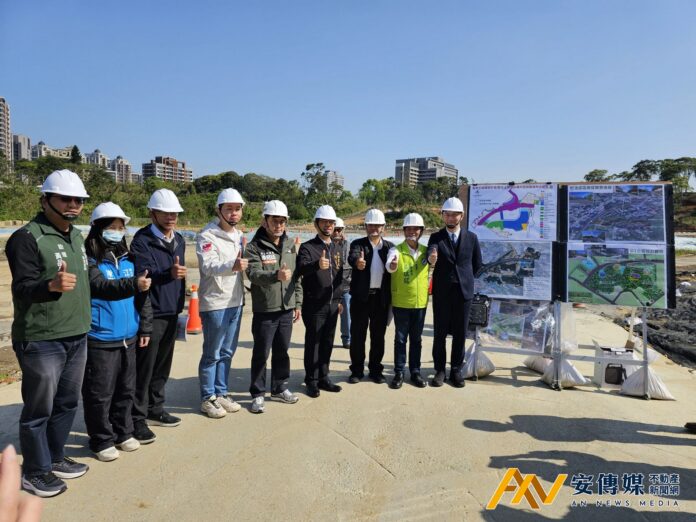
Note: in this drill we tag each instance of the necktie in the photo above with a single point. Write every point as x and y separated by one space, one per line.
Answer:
454 238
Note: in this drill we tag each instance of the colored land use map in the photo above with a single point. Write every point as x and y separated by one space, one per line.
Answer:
619 274
605 213
516 270
513 212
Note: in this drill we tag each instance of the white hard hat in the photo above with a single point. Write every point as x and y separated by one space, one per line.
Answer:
339 223
229 195
325 212
375 217
413 220
164 200
453 205
275 208
65 183
108 210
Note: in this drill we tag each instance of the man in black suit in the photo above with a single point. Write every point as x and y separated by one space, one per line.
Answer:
370 290
456 256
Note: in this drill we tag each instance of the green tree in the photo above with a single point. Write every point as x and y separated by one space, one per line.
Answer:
75 156
597 175
644 170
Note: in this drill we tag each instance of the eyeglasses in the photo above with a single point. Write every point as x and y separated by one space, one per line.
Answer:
68 199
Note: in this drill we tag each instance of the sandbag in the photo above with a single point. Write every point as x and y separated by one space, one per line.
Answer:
633 386
484 366
569 375
537 363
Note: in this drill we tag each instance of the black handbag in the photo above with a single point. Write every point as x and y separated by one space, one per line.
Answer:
614 374
479 311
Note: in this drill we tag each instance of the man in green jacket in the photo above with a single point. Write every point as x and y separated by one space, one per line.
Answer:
408 265
52 315
276 296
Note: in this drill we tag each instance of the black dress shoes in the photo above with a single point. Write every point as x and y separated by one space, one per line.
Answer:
438 380
378 378
397 381
417 380
328 386
313 391
456 379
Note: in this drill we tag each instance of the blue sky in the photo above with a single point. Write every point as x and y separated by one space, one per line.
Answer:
505 90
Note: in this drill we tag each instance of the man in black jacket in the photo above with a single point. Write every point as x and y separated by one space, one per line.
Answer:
159 249
370 290
320 263
456 256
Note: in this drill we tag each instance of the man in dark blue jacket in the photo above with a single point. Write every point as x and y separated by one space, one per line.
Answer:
456 256
159 249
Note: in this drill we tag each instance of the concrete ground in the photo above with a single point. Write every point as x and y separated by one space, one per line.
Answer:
372 453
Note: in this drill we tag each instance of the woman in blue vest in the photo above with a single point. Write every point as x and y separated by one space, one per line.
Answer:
118 325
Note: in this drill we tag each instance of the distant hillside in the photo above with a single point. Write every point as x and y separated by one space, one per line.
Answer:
685 212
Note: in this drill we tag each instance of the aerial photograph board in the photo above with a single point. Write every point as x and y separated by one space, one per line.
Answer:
516 270
600 213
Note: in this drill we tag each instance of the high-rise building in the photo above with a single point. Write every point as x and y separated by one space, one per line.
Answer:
168 169
121 169
416 171
21 147
5 131
334 182
97 158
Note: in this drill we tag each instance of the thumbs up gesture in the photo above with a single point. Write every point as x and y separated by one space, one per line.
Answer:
432 257
323 261
178 271
284 274
63 281
360 264
240 264
394 262
144 282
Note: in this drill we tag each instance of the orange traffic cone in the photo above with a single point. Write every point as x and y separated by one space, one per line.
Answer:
194 326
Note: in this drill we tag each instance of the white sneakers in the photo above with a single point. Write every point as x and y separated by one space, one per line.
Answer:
131 444
111 453
257 405
228 404
107 454
286 396
212 408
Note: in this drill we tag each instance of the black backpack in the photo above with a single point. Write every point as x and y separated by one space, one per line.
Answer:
478 314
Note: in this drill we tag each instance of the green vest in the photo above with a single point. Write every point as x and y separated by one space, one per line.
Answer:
70 314
409 284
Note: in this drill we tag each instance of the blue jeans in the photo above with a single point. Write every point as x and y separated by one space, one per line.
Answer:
52 373
345 319
409 324
220 336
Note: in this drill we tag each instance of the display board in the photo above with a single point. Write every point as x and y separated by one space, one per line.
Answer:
514 212
518 325
625 274
603 213
516 270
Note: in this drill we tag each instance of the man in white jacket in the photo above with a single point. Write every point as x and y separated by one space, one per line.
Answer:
221 293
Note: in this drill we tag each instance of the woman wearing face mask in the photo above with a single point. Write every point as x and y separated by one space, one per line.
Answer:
118 325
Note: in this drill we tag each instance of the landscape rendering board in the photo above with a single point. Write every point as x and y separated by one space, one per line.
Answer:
513 212
522 325
600 213
516 270
619 274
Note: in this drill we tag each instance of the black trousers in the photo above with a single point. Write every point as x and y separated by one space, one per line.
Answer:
271 331
153 366
320 327
107 395
451 315
376 314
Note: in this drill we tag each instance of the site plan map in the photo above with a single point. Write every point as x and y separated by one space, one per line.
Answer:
625 274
